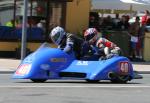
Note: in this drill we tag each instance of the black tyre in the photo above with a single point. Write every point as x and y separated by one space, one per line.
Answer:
38 80
121 79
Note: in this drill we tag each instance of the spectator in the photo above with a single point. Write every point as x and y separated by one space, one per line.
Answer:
127 24
107 22
94 22
140 44
116 20
41 25
145 17
123 24
148 21
134 32
19 23
32 22
10 23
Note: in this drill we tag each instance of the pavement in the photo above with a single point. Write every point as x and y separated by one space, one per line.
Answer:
10 65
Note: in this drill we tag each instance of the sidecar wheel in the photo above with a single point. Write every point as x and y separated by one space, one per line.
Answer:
92 81
38 80
121 79
118 81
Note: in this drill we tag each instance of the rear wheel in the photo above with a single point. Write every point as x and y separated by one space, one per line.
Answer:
38 80
121 79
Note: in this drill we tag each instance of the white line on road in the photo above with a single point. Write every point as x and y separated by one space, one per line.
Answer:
53 86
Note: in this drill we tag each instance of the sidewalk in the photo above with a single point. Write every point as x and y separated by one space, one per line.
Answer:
10 65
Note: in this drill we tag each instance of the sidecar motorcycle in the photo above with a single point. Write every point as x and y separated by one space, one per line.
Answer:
52 63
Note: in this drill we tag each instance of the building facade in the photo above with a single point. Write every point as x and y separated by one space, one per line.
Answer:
73 15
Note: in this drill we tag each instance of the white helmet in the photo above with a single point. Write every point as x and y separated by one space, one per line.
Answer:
57 34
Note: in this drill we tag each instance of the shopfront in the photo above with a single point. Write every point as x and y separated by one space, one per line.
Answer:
73 15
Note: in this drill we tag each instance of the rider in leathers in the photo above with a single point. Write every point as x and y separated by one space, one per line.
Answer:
98 45
66 41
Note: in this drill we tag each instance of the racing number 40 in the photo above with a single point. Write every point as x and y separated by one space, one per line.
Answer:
124 67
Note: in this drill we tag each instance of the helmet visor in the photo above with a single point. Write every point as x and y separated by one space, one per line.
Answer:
55 38
89 37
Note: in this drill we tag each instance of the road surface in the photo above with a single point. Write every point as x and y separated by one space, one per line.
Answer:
73 91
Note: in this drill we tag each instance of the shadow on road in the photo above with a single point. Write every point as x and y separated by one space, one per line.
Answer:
76 82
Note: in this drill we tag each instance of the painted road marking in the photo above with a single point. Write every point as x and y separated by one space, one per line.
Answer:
54 86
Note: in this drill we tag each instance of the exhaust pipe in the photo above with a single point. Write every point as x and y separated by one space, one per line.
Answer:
112 75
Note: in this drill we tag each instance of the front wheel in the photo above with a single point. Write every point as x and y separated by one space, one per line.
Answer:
38 80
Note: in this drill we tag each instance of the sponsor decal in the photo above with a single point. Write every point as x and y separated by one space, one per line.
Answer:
45 66
23 69
58 59
82 63
124 67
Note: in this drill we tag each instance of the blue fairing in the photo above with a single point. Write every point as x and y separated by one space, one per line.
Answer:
98 70
43 60
53 63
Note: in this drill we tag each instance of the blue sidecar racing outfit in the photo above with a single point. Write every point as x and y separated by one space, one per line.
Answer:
53 63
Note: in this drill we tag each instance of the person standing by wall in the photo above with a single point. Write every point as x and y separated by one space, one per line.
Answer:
140 44
134 32
145 17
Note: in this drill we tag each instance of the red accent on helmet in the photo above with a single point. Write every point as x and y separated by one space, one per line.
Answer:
90 33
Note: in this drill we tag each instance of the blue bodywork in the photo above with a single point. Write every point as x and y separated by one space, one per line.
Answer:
52 63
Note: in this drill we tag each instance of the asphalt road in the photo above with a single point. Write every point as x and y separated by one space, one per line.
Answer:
73 91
